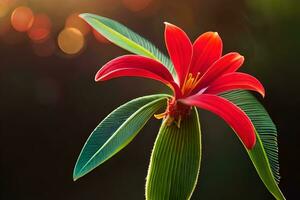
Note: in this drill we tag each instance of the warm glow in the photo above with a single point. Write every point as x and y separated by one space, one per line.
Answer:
40 29
4 8
99 37
73 21
136 5
70 40
22 18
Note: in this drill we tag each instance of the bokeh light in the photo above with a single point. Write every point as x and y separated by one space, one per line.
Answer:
100 37
71 41
40 29
22 18
136 5
74 21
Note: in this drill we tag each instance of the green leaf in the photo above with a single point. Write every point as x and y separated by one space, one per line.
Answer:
175 160
125 38
116 131
264 155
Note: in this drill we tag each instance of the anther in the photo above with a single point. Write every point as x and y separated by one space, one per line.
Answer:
161 115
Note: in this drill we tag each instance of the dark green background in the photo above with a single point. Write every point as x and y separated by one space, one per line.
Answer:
48 106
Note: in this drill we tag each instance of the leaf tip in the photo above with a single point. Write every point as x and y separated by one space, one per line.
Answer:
84 16
77 172
76 175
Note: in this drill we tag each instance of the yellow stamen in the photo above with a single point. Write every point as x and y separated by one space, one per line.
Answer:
160 116
190 83
186 78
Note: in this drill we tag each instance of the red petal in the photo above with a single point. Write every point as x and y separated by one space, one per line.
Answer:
180 50
206 50
138 66
235 80
233 115
227 64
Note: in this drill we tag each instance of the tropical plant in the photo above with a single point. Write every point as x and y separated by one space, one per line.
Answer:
199 77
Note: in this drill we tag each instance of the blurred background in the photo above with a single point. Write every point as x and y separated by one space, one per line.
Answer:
50 102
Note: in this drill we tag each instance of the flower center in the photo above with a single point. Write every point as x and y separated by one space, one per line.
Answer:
190 83
175 112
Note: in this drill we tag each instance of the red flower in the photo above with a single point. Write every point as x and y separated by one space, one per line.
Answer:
202 74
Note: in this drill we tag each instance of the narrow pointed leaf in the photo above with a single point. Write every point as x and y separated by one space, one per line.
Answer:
127 39
264 155
175 161
116 131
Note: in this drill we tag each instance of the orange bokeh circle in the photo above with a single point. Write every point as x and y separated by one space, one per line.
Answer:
41 28
22 19
71 41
